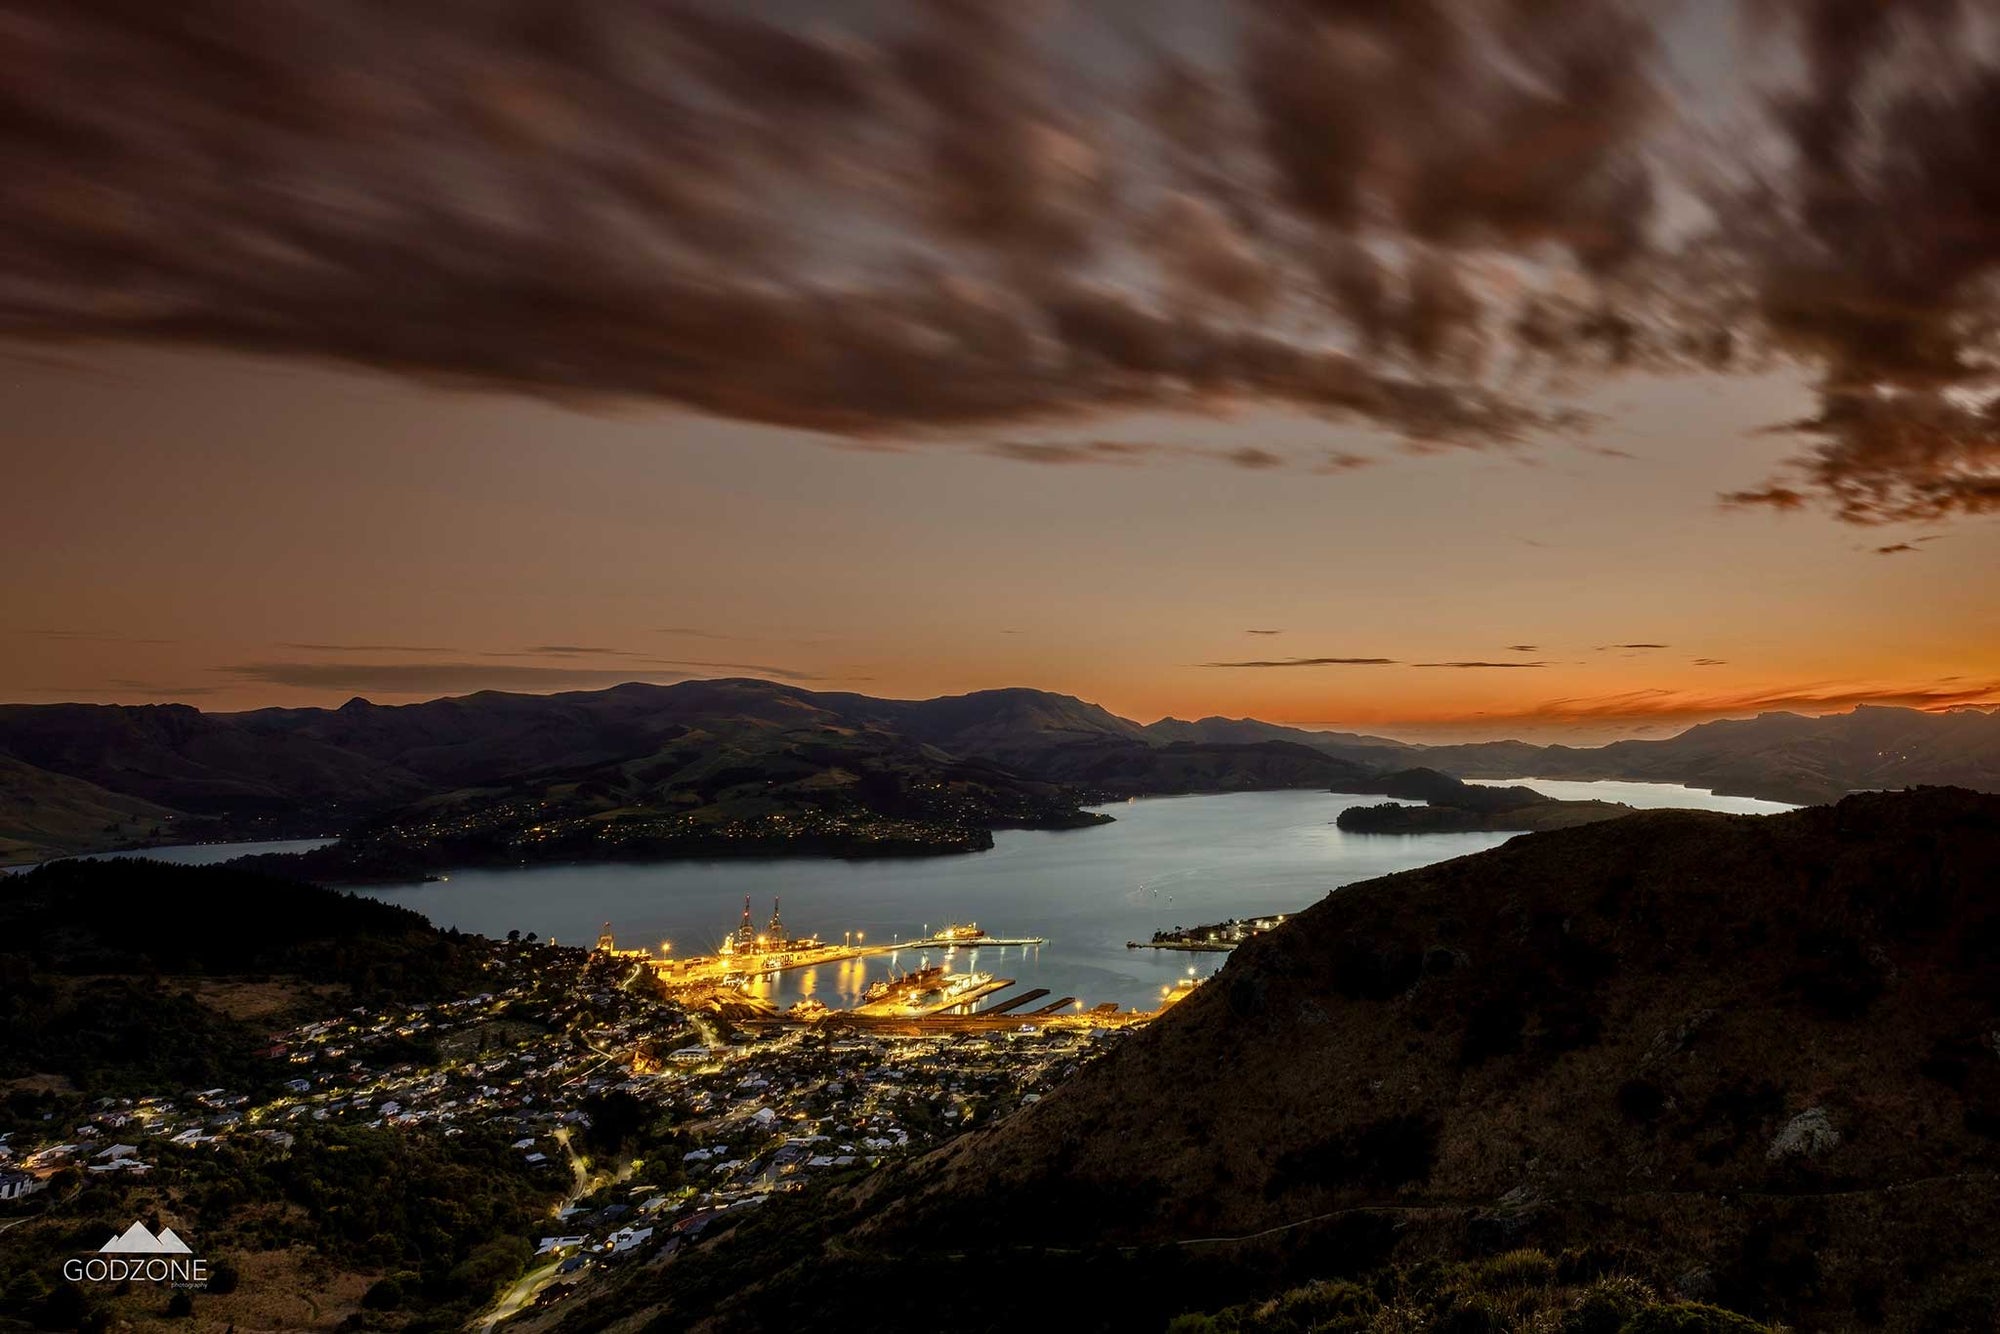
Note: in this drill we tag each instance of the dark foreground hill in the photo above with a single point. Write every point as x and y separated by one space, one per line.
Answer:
1746 1060
107 968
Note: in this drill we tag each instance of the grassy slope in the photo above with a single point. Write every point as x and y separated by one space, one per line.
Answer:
44 815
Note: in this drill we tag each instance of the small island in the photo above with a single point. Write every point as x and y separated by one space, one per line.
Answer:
1211 938
1453 806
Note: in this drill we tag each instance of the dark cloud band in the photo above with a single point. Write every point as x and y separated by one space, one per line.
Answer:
1428 217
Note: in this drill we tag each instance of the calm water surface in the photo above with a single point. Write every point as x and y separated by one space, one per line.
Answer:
1167 861
1645 796
199 854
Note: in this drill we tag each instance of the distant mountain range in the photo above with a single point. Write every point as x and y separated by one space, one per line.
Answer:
1730 1059
1779 756
714 767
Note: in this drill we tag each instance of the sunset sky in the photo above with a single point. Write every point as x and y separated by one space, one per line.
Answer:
327 379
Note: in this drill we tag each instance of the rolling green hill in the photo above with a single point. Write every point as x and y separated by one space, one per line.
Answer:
43 815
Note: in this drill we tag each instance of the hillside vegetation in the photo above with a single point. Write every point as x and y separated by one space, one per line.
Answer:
43 813
101 964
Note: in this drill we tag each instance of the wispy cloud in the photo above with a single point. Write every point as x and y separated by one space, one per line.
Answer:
122 688
1309 662
366 648
1340 461
1263 632
95 637
461 676
1524 648
432 678
690 632
753 668
1128 453
1477 666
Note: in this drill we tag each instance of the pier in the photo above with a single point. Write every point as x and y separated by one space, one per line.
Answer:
940 1024
1016 1002
749 960
924 1001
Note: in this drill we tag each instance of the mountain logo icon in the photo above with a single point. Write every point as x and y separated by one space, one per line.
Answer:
139 1240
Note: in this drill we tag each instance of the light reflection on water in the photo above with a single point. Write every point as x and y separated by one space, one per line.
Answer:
841 985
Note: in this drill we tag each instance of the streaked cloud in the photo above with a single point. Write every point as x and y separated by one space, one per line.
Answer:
1442 221
463 676
689 632
94 637
434 678
562 651
753 668
118 690
366 648
1310 662
1913 544
1127 453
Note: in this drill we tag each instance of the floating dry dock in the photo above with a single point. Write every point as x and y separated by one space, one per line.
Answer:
1016 1002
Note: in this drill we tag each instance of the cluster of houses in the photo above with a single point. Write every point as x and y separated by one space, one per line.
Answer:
750 1113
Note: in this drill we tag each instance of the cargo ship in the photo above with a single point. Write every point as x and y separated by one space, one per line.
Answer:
951 987
903 986
926 991
970 935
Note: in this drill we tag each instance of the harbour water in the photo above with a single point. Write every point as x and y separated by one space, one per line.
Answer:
1165 862
1644 796
195 854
